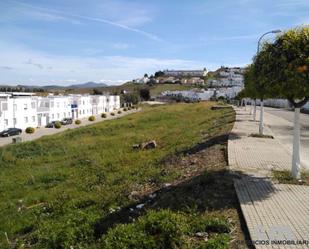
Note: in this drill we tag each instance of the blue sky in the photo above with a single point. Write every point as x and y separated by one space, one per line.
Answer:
112 41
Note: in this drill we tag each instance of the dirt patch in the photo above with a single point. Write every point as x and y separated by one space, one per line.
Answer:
205 186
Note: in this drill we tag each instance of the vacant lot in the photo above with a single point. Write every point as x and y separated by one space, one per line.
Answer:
70 189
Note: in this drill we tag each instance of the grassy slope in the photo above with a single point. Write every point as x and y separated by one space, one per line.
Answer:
68 181
154 90
159 88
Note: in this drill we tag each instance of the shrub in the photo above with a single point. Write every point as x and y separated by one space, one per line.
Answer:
91 118
30 130
103 115
78 122
57 125
209 225
127 236
75 231
119 112
112 113
125 109
167 227
157 229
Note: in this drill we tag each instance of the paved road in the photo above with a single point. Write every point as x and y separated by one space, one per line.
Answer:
281 123
42 131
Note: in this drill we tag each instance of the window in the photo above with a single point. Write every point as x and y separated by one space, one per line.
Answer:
69 114
14 121
4 106
58 104
32 105
33 118
15 107
53 116
58 115
25 106
52 104
64 114
26 119
6 122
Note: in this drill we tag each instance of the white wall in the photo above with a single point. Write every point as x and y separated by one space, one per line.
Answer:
19 112
33 111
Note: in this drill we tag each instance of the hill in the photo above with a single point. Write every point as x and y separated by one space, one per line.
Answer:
70 189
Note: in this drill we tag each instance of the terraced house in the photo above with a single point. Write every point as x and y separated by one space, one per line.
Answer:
22 110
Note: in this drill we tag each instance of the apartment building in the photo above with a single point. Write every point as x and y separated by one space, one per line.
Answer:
17 110
22 110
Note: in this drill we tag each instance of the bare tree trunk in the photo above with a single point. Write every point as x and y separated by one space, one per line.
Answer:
254 111
261 126
296 146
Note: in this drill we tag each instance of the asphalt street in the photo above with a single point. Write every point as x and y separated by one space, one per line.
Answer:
281 123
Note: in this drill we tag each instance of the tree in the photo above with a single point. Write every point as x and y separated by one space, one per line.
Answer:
262 81
250 86
96 91
159 74
144 94
130 98
288 74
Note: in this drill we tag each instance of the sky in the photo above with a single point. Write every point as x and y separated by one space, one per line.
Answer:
65 42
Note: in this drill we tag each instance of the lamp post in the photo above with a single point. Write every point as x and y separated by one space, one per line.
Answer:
261 126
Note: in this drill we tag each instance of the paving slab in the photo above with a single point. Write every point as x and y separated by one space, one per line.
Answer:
277 215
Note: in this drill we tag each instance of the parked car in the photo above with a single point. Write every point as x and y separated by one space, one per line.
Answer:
67 121
10 132
51 124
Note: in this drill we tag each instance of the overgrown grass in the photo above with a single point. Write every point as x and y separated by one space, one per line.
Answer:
53 191
285 177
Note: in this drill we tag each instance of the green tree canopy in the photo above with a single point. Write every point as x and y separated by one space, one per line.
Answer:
250 83
283 67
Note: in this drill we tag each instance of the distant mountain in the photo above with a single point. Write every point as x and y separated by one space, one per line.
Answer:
51 87
88 85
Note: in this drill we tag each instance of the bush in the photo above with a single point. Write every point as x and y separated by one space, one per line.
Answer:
30 130
112 114
127 236
125 109
57 125
103 115
78 122
73 233
119 112
157 229
91 118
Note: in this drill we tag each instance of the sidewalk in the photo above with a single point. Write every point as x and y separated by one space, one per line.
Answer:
271 211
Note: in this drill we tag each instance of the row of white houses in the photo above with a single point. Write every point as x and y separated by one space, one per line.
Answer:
22 110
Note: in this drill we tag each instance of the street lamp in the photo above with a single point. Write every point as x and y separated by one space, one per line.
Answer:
269 32
261 125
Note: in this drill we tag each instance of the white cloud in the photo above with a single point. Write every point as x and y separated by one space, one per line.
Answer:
79 68
33 11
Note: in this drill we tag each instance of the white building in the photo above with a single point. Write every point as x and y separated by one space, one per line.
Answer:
186 73
22 110
228 77
17 110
